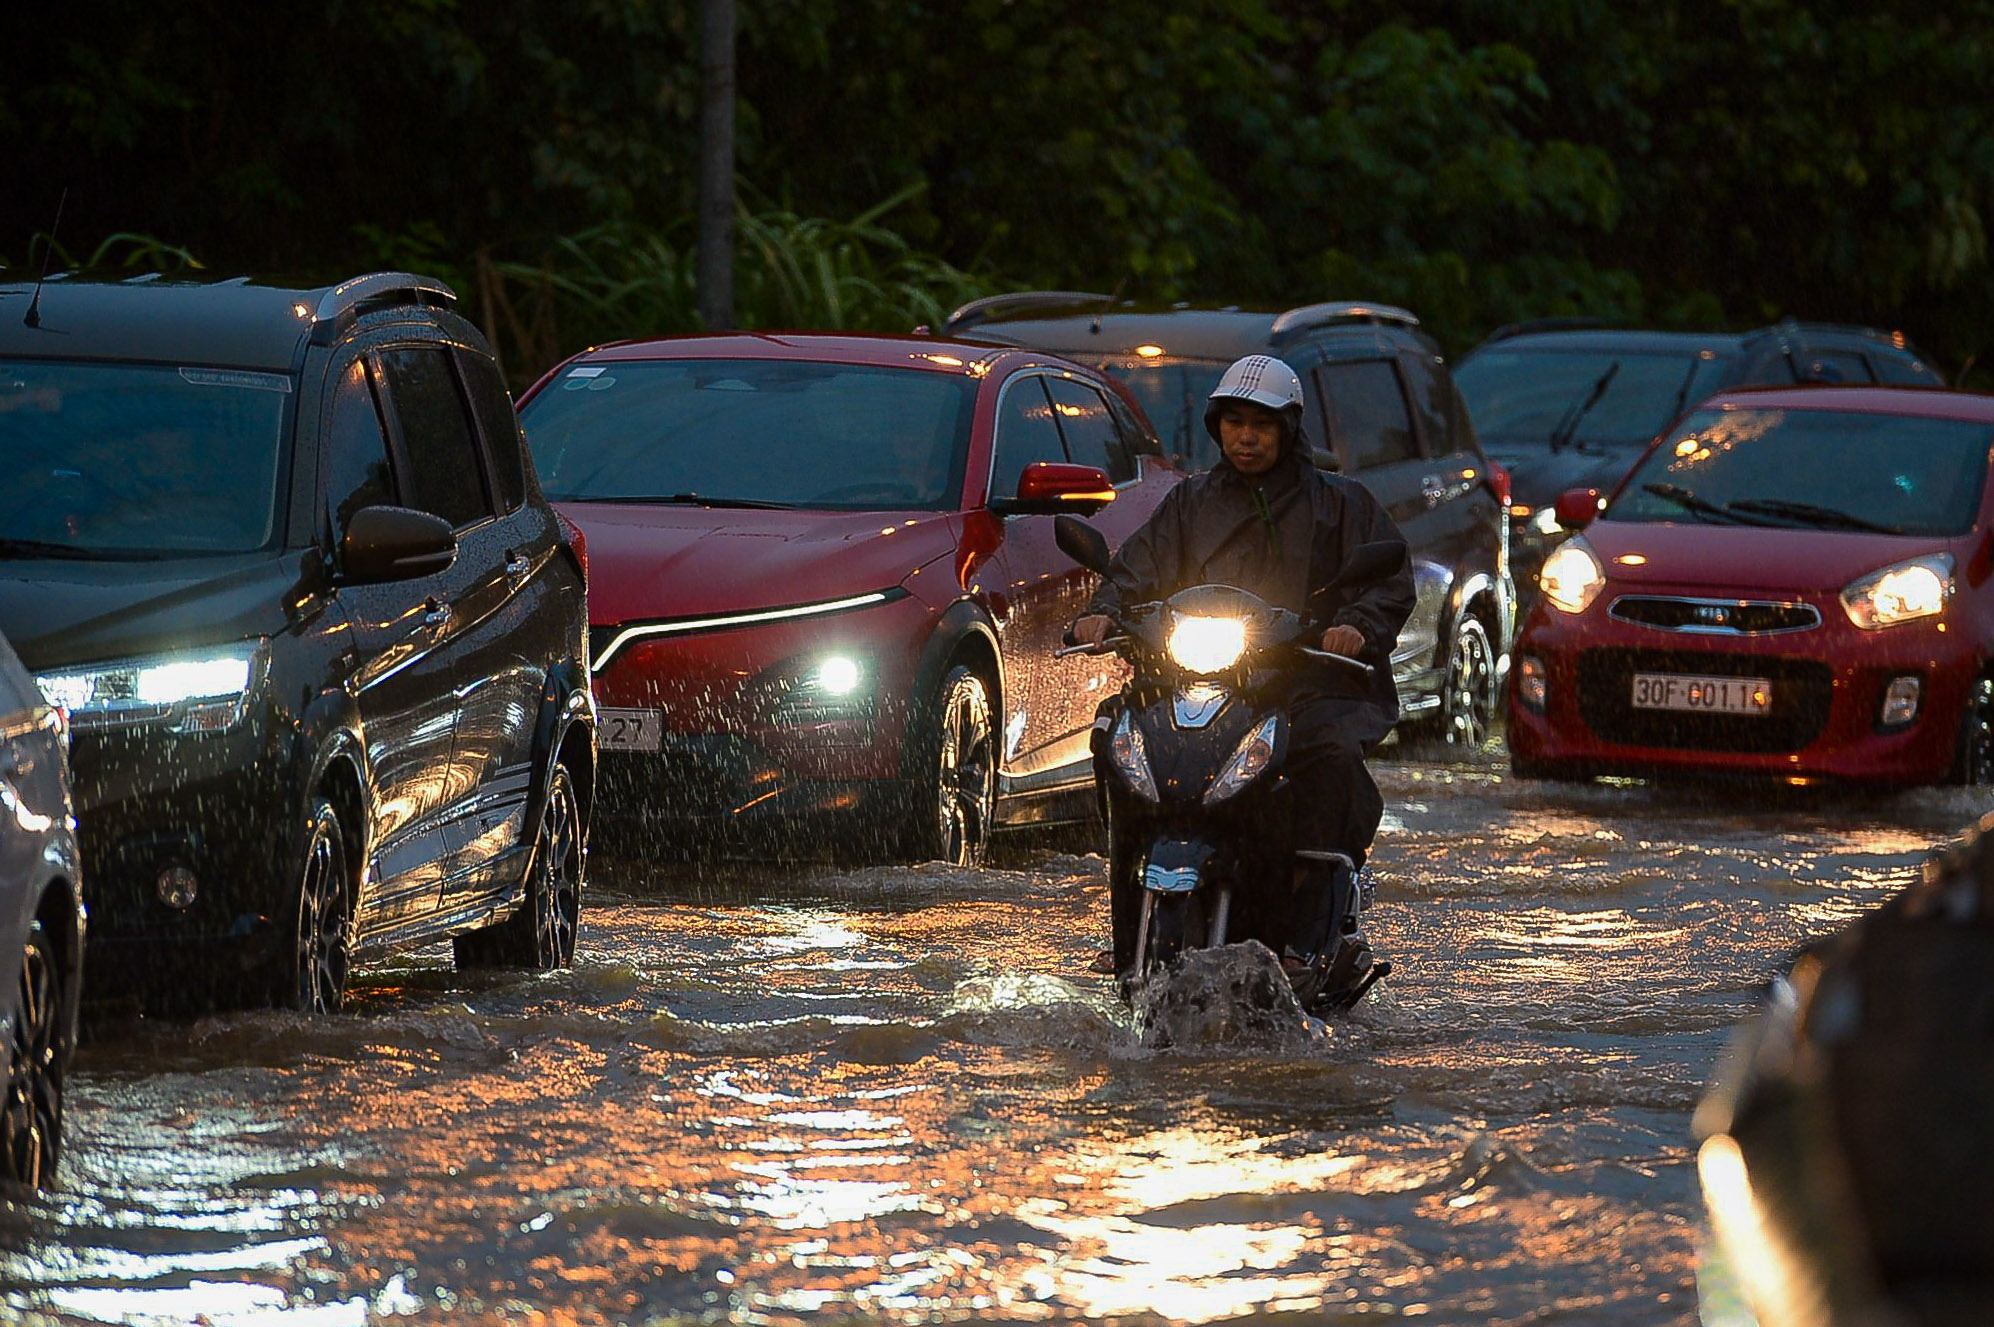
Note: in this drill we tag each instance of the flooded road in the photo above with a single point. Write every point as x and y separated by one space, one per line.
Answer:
818 1095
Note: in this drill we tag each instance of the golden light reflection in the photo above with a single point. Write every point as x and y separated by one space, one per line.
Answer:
1149 351
1632 560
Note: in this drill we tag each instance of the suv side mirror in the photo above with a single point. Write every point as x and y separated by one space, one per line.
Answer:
1576 507
394 544
1048 487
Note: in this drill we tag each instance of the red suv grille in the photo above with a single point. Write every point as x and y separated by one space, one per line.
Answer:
1801 692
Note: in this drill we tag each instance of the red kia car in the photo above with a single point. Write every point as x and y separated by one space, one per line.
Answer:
822 577
1791 583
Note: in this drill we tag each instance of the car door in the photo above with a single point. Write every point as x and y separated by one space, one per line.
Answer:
514 616
437 455
400 676
1370 429
1470 527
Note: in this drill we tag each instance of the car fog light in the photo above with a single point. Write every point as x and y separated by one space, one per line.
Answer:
1900 702
177 887
1533 682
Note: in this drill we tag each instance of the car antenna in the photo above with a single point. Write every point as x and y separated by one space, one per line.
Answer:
33 317
1094 327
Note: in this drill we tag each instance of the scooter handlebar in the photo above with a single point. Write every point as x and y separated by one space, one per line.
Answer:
1355 667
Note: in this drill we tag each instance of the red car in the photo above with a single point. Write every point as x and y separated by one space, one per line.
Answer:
822 577
1791 582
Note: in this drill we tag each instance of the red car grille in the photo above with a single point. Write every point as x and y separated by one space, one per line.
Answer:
1731 617
1802 690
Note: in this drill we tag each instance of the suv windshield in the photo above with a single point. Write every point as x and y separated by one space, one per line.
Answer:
752 432
1515 395
1172 393
1814 469
138 460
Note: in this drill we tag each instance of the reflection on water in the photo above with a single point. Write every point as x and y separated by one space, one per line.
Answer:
778 1095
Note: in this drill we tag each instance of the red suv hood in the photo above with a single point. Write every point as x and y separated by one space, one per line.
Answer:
662 562
1747 559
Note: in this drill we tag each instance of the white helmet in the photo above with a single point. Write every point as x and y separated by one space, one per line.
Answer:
1263 380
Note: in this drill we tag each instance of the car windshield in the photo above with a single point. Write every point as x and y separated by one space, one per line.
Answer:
1532 395
754 432
1172 393
1814 469
111 460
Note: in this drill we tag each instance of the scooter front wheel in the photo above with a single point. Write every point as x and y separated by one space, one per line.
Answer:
1171 924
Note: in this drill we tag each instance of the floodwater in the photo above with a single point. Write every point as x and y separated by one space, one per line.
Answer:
817 1095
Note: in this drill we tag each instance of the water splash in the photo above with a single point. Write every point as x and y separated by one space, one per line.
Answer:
1234 997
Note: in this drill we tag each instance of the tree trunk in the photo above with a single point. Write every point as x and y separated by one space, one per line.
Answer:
716 165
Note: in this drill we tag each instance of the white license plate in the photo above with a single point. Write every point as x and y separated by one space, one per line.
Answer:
1702 695
628 730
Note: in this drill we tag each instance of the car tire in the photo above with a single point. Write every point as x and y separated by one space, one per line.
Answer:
37 1058
1974 765
313 978
541 935
955 768
1468 691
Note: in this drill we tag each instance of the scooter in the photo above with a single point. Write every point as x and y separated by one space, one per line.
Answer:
1188 762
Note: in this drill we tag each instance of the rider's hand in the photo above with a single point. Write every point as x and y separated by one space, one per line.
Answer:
1091 629
1345 640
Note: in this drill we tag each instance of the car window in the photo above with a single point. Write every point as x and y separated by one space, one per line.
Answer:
1026 432
141 459
1813 469
357 471
1835 366
791 433
1091 437
443 475
491 405
1428 387
1895 368
1172 393
1366 407
1609 397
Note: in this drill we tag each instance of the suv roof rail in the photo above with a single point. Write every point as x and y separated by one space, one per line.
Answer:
977 310
1575 322
1318 315
1792 324
339 306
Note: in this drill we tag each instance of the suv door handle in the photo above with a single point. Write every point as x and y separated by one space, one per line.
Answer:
517 564
1434 487
438 614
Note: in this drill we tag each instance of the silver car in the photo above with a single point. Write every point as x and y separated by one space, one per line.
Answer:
41 925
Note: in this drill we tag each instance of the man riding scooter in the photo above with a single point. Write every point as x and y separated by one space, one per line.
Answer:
1266 520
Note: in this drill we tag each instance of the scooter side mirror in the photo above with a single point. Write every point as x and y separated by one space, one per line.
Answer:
1372 562
1081 542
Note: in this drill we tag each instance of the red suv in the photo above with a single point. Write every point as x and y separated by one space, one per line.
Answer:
822 576
1791 582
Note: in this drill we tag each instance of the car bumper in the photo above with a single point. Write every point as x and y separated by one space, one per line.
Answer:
737 726
1828 686
151 802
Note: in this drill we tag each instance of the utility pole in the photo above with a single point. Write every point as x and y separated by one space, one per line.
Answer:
716 164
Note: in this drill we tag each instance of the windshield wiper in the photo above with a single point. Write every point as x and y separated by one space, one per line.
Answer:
1828 518
1561 436
1688 501
21 549
688 500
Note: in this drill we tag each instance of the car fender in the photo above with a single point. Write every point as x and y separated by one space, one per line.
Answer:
325 736
963 623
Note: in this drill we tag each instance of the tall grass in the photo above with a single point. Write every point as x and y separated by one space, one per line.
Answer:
620 280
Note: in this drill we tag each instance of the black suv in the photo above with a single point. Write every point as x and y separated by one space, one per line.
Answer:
280 555
1381 407
1565 404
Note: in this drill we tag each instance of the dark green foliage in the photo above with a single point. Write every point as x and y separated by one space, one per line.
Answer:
1674 163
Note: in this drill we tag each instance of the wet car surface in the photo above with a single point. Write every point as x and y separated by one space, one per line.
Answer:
806 1094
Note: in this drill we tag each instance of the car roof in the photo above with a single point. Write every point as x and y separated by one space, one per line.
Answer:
1622 340
1220 333
1931 402
236 322
884 349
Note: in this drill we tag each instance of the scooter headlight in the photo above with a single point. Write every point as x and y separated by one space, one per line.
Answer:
1132 758
1254 754
1207 644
